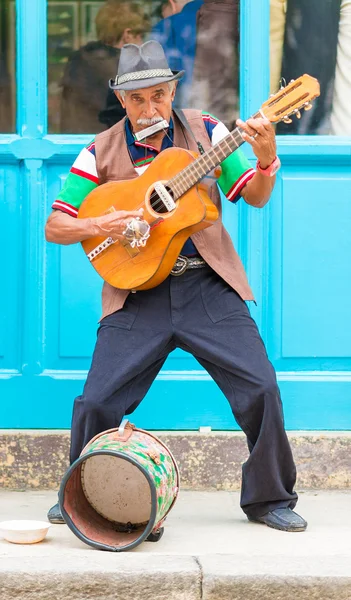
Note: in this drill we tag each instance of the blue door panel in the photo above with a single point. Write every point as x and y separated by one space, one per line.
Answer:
313 403
12 243
316 287
316 401
310 275
72 295
79 303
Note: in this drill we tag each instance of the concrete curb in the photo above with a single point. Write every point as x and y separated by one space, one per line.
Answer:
38 459
162 577
261 578
107 577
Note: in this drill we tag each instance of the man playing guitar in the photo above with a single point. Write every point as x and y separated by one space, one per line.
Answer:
200 307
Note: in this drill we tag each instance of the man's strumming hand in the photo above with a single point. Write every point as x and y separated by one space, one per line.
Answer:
114 223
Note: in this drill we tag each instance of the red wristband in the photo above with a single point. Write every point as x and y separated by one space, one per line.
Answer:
271 170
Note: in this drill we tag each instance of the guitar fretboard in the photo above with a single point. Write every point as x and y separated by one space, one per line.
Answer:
197 170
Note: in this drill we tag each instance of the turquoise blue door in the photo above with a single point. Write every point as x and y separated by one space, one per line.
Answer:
296 251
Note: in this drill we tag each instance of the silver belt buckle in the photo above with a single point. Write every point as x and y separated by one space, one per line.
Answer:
180 266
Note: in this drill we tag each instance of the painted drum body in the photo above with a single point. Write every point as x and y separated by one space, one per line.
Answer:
120 489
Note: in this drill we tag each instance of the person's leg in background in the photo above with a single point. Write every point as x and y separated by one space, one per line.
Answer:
341 111
277 28
310 46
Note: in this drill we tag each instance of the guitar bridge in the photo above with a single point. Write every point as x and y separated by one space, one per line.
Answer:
132 250
100 248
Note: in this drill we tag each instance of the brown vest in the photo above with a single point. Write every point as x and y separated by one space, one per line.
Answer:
214 243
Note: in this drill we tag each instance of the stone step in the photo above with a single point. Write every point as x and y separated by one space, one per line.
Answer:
208 461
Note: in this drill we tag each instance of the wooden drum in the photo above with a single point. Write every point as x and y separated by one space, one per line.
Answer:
120 489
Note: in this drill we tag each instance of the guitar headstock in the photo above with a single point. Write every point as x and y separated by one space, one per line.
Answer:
289 100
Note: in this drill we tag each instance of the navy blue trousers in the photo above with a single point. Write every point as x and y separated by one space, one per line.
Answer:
201 314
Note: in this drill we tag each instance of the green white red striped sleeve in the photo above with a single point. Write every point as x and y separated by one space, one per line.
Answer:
236 169
81 180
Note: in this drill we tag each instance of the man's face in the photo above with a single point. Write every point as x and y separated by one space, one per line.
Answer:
148 105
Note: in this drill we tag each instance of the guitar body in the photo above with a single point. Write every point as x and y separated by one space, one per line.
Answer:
142 268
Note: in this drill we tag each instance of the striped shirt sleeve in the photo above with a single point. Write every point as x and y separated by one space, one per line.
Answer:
81 180
236 169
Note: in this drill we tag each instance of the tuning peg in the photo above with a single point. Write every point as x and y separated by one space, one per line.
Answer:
297 113
308 106
287 120
282 83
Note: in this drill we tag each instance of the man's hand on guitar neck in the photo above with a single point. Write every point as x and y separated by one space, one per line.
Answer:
260 134
61 228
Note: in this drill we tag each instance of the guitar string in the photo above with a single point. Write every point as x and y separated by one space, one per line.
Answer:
154 197
155 200
154 194
233 135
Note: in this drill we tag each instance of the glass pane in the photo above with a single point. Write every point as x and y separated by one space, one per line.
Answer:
203 39
84 41
314 37
7 66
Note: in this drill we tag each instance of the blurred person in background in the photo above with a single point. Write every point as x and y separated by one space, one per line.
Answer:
86 105
293 31
215 81
341 112
177 36
310 46
278 10
191 43
7 124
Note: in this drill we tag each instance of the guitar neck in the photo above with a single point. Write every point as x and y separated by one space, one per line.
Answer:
197 170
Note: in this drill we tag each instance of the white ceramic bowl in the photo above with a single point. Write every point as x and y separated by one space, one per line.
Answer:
24 532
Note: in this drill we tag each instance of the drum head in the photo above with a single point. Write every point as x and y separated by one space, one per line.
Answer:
117 489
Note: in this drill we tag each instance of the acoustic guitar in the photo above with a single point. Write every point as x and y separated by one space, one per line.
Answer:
175 202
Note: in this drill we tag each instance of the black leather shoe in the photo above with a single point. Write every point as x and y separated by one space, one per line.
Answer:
54 515
284 519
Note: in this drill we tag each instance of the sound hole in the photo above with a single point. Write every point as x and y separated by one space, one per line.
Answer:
157 204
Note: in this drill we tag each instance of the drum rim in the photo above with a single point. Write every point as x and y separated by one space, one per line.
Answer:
73 527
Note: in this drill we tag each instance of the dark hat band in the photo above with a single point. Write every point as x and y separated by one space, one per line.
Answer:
147 74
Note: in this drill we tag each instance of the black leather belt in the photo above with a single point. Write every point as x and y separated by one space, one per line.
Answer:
183 263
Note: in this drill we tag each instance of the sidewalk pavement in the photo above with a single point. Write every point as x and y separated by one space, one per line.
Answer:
209 551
